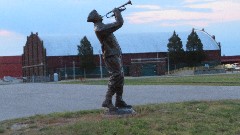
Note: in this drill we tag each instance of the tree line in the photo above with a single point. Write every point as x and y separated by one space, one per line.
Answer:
193 55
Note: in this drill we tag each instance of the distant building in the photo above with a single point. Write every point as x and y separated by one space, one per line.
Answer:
34 64
144 54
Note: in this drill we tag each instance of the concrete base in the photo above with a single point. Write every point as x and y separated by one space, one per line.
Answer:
120 112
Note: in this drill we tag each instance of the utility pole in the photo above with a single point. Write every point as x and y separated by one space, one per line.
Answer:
168 64
100 64
74 70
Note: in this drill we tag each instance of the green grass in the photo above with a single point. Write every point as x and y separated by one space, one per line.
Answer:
1 130
187 118
210 80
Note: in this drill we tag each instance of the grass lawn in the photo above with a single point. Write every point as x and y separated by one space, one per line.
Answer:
211 80
187 118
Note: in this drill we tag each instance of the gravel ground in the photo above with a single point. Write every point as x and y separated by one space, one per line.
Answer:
20 100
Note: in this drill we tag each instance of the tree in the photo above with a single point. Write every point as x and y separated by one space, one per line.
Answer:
175 49
194 49
85 51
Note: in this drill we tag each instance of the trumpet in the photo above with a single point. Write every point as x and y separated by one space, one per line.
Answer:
121 8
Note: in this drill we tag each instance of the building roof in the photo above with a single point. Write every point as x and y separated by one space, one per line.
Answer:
130 43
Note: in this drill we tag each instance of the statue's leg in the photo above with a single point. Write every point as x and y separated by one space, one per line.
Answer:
109 62
120 103
108 99
117 80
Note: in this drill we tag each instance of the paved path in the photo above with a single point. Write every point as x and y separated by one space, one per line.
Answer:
20 100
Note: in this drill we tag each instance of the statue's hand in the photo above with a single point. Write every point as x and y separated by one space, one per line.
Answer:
115 10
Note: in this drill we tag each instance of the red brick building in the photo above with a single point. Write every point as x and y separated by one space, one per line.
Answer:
11 66
230 59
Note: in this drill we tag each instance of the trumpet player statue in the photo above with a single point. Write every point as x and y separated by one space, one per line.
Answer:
112 57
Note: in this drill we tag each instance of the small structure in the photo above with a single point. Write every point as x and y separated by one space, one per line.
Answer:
55 77
148 66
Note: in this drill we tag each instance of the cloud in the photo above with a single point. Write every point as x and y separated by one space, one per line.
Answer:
194 23
4 33
11 43
150 7
190 13
196 1
222 10
10 34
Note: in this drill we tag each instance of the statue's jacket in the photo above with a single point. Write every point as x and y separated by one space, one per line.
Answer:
104 32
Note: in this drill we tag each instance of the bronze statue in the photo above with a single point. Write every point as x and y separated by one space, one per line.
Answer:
111 55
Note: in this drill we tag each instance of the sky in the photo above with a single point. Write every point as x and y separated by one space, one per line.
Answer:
18 18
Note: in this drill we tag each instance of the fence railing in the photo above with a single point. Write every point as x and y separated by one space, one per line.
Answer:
36 79
218 67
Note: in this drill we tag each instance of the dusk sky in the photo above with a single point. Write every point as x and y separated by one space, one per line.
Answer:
18 18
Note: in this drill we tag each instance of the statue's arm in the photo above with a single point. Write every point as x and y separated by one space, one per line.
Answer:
112 27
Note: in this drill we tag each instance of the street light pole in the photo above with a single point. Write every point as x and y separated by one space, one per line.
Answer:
74 70
100 63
